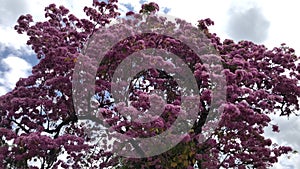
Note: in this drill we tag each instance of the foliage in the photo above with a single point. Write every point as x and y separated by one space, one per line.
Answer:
39 121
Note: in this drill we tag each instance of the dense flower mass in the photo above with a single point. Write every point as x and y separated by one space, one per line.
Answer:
41 127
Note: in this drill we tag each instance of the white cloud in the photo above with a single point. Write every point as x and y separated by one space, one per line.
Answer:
288 136
10 11
200 9
10 38
16 67
247 23
3 90
285 24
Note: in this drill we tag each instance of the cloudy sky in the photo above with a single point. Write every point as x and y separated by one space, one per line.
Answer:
262 21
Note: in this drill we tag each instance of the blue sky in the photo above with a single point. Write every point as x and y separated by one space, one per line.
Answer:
262 21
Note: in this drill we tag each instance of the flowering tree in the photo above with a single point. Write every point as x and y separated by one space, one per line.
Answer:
42 126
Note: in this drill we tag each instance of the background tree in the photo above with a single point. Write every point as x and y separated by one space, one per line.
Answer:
39 121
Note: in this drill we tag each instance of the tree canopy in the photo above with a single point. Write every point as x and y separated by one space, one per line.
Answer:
69 112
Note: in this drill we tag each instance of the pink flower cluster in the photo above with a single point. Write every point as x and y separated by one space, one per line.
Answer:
39 119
